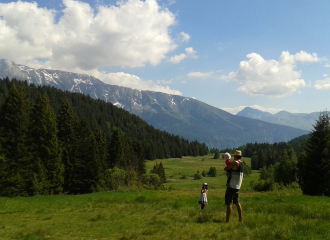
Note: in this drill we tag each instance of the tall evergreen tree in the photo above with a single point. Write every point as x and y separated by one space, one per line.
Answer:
45 147
67 123
101 144
87 167
140 160
314 163
14 122
116 150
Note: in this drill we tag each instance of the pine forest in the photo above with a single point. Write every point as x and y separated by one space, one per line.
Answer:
54 141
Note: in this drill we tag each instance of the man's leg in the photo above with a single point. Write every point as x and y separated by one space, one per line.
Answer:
239 211
229 209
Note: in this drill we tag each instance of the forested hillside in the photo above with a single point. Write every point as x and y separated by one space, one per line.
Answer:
99 114
53 141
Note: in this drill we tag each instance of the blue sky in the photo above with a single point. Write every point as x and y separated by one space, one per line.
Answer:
272 55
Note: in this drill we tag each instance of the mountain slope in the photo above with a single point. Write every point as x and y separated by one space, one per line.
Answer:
303 121
187 117
253 113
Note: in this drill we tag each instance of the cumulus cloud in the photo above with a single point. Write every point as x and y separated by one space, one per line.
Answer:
87 38
240 108
271 78
83 39
322 84
190 53
185 37
132 81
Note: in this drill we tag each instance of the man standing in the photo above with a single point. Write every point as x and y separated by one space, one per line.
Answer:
236 178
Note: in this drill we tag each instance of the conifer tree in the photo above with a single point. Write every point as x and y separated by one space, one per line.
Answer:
67 122
139 154
116 150
314 163
101 144
87 166
45 147
14 122
160 171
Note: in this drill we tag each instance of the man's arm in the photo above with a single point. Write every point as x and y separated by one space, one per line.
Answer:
232 166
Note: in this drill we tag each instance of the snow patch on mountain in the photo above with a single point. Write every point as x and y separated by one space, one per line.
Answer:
118 104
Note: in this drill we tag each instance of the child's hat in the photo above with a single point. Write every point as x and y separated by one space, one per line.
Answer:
205 184
227 156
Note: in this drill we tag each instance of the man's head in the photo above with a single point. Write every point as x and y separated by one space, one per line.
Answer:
237 155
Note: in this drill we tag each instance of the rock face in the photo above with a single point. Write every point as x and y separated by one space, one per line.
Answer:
188 117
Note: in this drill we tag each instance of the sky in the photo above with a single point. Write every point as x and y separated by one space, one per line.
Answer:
269 55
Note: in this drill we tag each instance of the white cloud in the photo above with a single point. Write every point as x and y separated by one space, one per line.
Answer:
190 53
200 75
185 37
132 81
178 58
271 78
327 65
131 34
322 84
240 108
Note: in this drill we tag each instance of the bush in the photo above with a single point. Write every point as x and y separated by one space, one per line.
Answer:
151 180
117 177
266 185
197 176
204 173
212 172
183 176
217 154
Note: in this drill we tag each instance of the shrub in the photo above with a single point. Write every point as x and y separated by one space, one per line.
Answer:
117 178
212 172
217 154
266 185
151 180
204 173
197 176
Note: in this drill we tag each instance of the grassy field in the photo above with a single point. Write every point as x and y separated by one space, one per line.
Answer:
170 214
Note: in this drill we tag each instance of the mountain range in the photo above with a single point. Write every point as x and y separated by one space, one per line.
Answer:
187 117
303 121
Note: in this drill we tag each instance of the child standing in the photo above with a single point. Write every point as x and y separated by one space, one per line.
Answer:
203 196
227 158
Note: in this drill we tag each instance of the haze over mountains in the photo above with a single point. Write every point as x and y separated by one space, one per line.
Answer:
188 117
303 121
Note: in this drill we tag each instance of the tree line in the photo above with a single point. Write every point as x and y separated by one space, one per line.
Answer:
51 142
303 162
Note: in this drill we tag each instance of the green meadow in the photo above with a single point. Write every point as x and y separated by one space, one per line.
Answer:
168 214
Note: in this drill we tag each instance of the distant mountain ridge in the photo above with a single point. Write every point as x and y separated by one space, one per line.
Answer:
187 117
253 113
303 121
